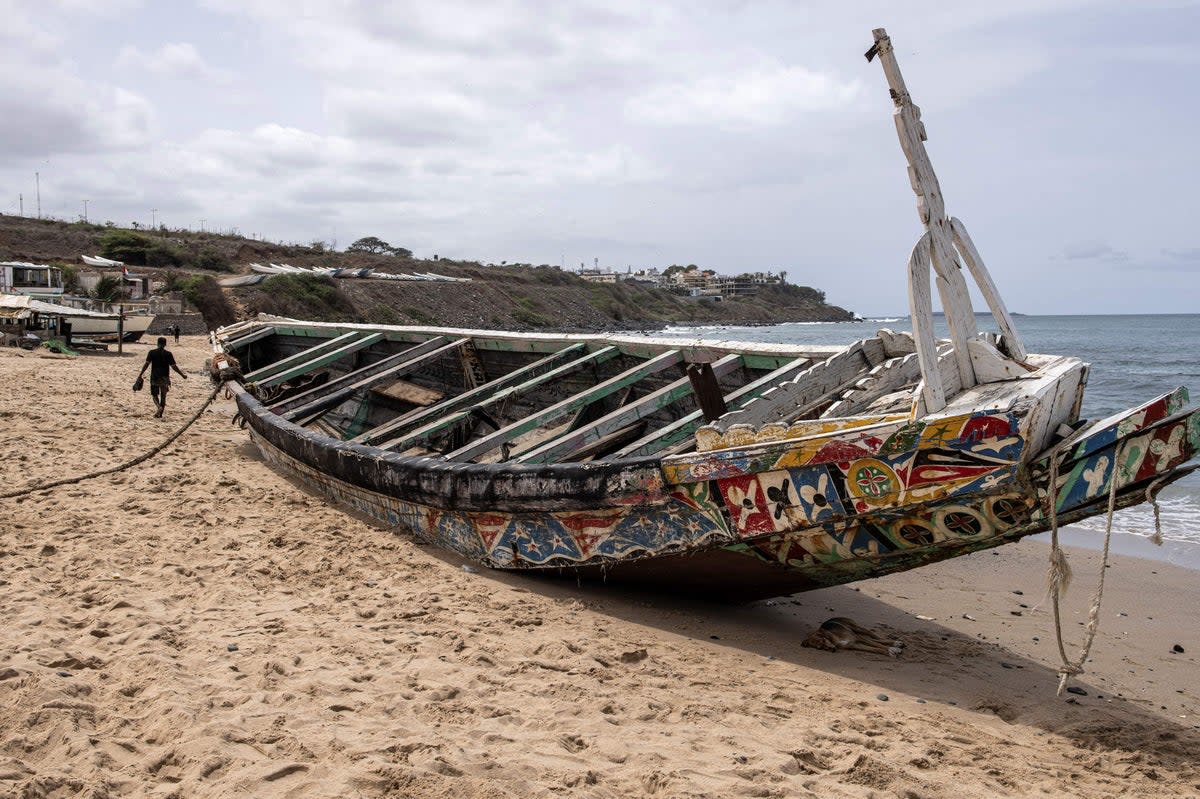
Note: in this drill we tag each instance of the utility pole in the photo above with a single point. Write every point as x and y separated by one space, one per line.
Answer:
153 218
85 202
37 179
21 201
202 221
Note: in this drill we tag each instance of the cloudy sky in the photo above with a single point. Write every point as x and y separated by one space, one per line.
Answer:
736 135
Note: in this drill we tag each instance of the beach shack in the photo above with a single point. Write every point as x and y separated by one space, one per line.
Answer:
26 320
34 280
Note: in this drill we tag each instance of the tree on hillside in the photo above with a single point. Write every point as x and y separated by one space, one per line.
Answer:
125 246
370 244
377 246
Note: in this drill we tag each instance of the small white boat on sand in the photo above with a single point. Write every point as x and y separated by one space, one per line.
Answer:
135 326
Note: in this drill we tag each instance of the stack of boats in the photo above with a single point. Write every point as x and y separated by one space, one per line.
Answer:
427 276
323 271
288 269
104 263
736 469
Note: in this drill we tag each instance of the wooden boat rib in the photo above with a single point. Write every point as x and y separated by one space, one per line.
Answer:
735 469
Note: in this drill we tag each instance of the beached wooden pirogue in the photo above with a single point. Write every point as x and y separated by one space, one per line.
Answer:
730 469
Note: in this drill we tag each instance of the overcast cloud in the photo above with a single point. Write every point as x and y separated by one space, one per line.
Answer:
734 135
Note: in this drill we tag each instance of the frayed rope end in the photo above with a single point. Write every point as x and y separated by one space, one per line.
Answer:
1058 576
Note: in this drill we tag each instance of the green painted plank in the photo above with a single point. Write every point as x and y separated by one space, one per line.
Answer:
300 357
561 409
339 389
532 346
331 331
321 359
411 421
483 341
395 373
414 436
437 425
249 338
760 361
559 448
685 426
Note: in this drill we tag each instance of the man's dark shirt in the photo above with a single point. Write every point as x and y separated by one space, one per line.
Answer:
160 362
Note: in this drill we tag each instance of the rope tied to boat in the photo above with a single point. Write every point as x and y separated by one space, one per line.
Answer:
127 464
1152 497
1058 576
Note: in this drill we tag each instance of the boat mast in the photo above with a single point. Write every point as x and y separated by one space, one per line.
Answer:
944 246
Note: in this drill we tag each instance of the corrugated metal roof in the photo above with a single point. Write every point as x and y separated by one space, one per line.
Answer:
20 306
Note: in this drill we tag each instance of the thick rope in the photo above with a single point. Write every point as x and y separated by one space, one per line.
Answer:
128 464
1152 497
1058 576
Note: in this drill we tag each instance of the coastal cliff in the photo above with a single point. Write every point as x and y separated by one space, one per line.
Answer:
509 296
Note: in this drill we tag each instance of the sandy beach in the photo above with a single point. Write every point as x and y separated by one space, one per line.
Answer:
199 626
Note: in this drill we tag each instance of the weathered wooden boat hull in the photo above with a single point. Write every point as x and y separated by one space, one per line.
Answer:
637 522
630 459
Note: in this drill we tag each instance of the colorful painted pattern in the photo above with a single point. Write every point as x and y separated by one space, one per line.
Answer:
1086 476
943 524
1131 421
688 519
861 471
895 535
865 501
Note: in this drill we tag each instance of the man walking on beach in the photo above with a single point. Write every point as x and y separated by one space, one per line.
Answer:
160 362
175 330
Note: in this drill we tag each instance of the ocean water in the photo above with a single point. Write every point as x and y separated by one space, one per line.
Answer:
1134 358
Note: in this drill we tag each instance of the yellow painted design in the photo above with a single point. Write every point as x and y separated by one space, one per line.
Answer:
817 427
938 431
708 438
800 454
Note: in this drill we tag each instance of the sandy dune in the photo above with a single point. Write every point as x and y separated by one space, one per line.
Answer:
201 627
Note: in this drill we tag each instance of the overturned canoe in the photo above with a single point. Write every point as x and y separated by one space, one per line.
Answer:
733 469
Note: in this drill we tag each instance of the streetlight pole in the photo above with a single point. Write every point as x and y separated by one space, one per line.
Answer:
153 218
37 179
85 219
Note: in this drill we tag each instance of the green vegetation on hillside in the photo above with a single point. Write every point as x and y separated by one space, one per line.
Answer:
508 295
208 298
138 249
303 297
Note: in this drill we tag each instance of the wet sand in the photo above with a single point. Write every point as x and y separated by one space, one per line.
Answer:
199 626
